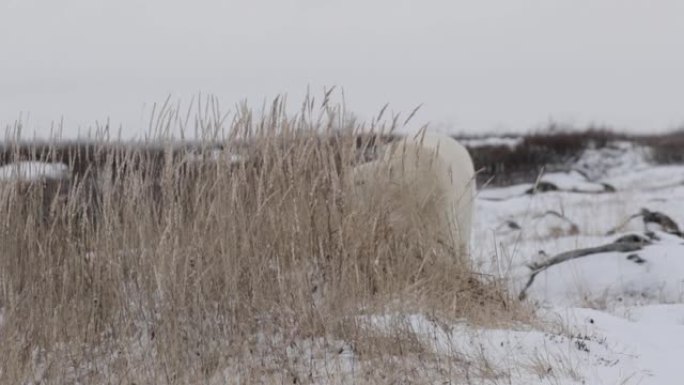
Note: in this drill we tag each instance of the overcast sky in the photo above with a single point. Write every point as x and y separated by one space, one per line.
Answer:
477 65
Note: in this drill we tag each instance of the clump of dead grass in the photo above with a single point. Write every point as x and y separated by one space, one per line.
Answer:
159 267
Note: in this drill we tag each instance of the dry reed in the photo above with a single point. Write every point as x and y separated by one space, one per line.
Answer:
162 267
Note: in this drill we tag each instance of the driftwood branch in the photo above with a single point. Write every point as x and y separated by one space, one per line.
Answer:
543 187
666 223
622 224
622 247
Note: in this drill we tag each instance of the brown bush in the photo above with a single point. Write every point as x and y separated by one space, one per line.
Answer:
552 149
667 148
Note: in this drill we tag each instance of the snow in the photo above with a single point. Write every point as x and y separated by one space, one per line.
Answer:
503 193
610 318
618 158
611 277
510 142
30 170
658 314
650 178
588 347
572 181
654 353
630 305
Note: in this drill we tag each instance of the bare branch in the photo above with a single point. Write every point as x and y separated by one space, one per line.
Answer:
621 247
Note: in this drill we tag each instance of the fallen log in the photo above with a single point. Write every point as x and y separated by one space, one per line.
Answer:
622 246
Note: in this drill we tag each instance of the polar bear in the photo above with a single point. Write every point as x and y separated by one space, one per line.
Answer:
427 182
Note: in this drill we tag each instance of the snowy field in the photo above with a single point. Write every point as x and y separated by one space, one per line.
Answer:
606 318
622 314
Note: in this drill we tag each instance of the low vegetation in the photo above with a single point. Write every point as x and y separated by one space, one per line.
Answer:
557 147
245 257
162 266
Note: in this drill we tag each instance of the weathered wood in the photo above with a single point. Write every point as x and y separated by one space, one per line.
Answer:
621 247
667 224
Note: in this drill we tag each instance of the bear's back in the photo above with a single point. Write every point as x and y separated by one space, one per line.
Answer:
431 173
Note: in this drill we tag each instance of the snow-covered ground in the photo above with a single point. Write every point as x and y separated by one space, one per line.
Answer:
510 142
627 308
609 318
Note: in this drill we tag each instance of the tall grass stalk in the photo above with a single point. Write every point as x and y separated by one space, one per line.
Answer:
157 263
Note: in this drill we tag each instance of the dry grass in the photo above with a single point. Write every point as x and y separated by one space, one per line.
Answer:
157 267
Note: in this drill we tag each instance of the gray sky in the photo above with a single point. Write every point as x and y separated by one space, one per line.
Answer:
477 65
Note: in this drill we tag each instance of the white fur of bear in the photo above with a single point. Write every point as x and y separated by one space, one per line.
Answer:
427 183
